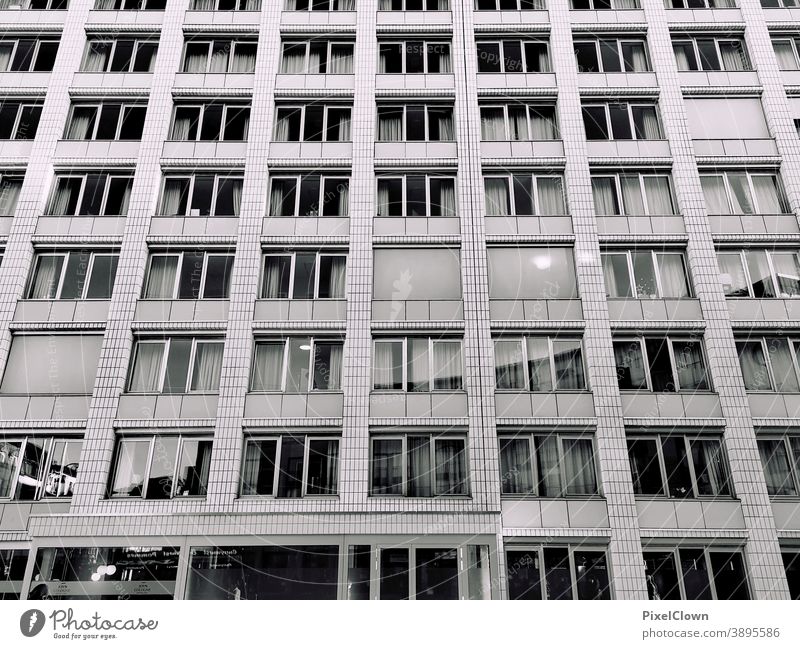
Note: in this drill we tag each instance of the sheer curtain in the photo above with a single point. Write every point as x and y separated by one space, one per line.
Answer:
293 60
784 51
82 123
383 366
161 278
732 275
493 126
659 196
419 467
185 117
48 273
204 5
63 195
268 367
543 124
733 56
282 127
515 466
615 286
195 60
568 364
715 196
551 196
548 466
604 193
337 283
279 192
207 367
444 59
450 466
275 282
335 367
343 204
447 198
95 59
690 366
244 60
125 200
146 376
171 202
712 478
645 119
9 194
382 206
447 374
341 60
682 56
767 196
632 196
444 119
740 194
775 460
344 126
390 126
236 195
780 357
508 365
518 123
347 5
673 275
627 4
635 57
579 467
497 197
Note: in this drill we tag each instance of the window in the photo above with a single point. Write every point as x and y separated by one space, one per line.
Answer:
726 118
695 573
660 364
780 458
175 365
418 465
760 273
13 564
699 4
791 562
19 120
632 194
130 5
219 56
414 5
320 5
416 195
524 194
416 274
415 123
600 5
51 364
119 55
303 276
769 364
414 57
539 364
645 274
201 195
622 121
547 466
513 56
711 53
678 466
40 5
769 4
557 573
418 364
188 275
22 54
297 365
90 194
317 57
531 273
161 467
226 5
37 468
309 195
612 55
210 122
72 275
787 52
743 192
10 187
106 121
510 5
519 122
291 466
313 123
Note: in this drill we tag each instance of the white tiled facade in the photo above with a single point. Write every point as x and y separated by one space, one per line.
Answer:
616 521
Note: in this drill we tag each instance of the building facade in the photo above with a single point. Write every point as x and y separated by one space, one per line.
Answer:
400 299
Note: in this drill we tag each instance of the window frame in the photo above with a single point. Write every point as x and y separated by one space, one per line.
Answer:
717 39
532 457
426 108
791 342
523 340
298 179
231 54
431 369
202 106
302 107
166 342
749 175
113 42
523 54
707 550
278 438
313 340
629 109
21 106
48 448
403 54
218 178
83 176
687 438
329 45
207 254
433 438
403 178
38 41
619 40
529 106
64 254
509 178
792 458
619 196
641 340
654 255
774 275
182 439
100 106
292 267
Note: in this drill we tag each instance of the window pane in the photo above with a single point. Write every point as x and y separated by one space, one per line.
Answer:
644 274
753 364
695 574
730 579
515 466
130 467
420 474
394 566
509 366
290 477
258 472
760 274
631 374
304 276
418 365
616 275
101 282
568 363
783 370
557 573
672 273
277 273
676 463
436 574
591 575
207 367
180 351
359 562
531 272
162 468
323 467
645 467
147 366
660 365
523 574
193 468
709 467
689 364
31 468
539 365
661 575
327 366
451 467
775 461
268 367
388 365
387 466
447 365
297 373
218 277
548 466
579 467
787 272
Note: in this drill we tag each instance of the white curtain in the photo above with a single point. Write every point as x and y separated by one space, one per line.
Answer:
784 51
276 198
780 357
337 283
543 124
635 56
445 123
161 278
551 196
236 194
450 466
268 367
493 126
390 126
673 275
347 5
632 196
95 59
419 467
62 196
509 368
207 367
715 195
382 206
204 5
548 465
124 202
275 282
659 197
518 123
343 204
195 60
185 118
604 192
740 193
645 119
775 461
447 198
293 60
244 60
344 126
732 275
733 56
9 193
626 4
615 286
146 374
681 51
579 467
82 123
341 61
386 364
767 196
447 373
335 367
48 273
171 202
497 197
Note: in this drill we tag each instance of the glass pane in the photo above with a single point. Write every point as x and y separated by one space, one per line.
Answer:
394 566
437 574
304 269
516 474
297 374
388 365
31 470
418 365
661 575
695 574
323 467
709 467
676 463
218 277
479 582
783 369
753 364
557 573
660 365
523 574
690 365
616 275
730 578
180 351
579 467
420 473
193 467
451 467
644 274
290 477
129 468
387 467
645 467
162 468
591 575
628 358
258 472
539 365
568 364
777 472
101 282
359 559
509 365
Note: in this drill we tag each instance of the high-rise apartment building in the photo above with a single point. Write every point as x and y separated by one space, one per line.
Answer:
397 299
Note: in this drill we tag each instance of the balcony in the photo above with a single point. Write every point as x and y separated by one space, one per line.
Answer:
628 148
112 79
214 80
533 309
543 404
181 310
418 404
736 147
61 311
15 148
126 17
660 309
522 149
318 17
606 16
510 17
44 407
526 225
718 78
774 404
617 80
167 406
406 150
222 18
743 308
24 79
416 225
300 310
313 404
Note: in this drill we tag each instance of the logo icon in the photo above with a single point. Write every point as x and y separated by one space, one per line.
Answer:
31 622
